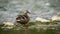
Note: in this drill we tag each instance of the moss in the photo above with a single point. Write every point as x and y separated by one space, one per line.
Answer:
31 31
31 23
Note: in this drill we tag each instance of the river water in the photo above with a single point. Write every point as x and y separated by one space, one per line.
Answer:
9 9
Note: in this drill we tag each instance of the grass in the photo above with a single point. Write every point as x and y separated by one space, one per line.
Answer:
34 29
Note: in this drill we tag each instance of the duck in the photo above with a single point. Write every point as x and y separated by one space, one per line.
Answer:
24 18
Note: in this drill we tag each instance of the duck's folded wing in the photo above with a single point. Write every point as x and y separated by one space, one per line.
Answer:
20 18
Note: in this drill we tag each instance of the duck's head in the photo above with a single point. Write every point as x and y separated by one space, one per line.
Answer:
26 11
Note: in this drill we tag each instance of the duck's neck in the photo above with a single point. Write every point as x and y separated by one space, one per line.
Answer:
25 14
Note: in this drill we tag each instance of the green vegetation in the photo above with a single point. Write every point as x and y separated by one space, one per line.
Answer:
33 28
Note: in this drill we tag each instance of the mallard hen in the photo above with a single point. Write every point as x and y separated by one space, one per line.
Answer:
24 18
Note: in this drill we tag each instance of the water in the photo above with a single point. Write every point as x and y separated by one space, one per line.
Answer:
38 8
9 9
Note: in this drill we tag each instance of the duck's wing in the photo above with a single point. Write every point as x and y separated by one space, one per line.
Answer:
21 17
26 18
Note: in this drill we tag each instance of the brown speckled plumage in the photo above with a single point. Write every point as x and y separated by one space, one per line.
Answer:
24 18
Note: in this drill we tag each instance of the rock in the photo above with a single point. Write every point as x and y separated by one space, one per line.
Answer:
8 23
41 19
56 17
